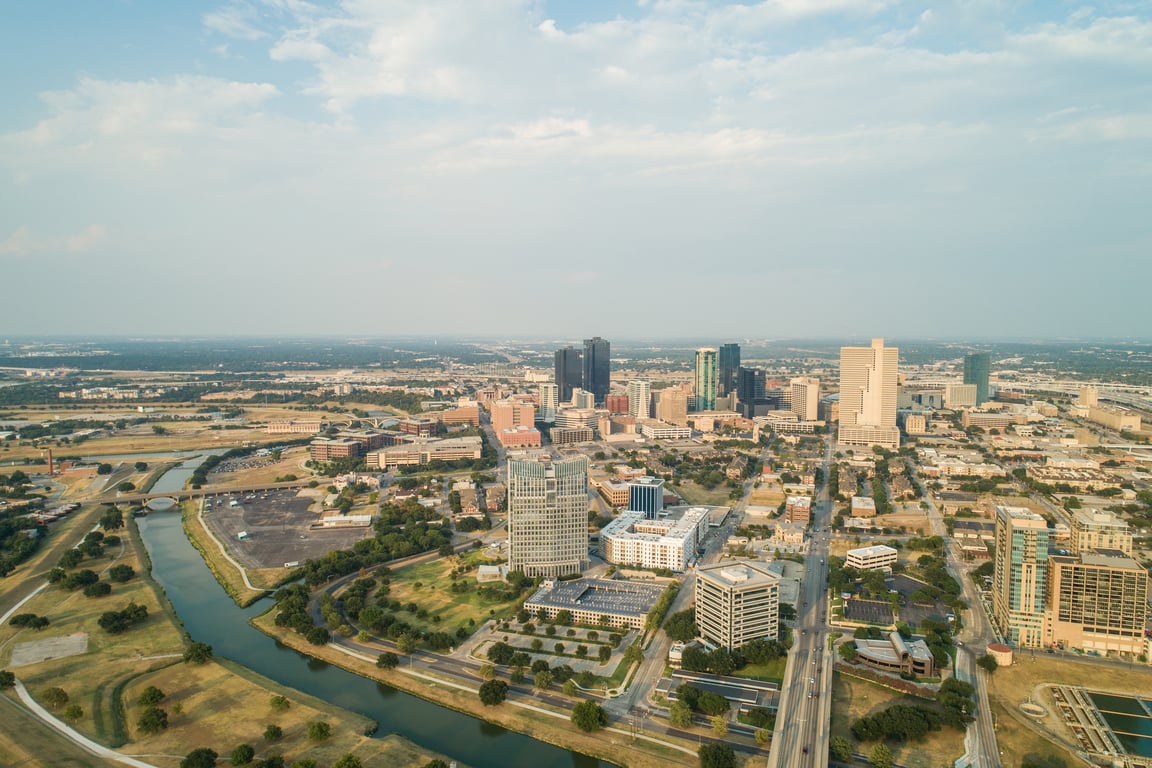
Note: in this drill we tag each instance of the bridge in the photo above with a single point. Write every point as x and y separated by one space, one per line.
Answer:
206 490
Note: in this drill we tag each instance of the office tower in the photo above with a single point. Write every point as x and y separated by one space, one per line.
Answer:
706 376
750 385
1098 602
617 403
583 399
509 414
868 377
548 516
1020 576
960 395
1089 396
672 406
737 602
729 368
597 367
977 366
568 372
640 398
646 494
1094 529
805 397
549 402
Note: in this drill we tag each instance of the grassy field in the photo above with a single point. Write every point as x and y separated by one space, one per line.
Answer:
434 595
61 536
26 741
609 746
696 494
853 698
772 672
225 572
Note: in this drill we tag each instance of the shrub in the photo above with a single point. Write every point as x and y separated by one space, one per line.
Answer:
242 755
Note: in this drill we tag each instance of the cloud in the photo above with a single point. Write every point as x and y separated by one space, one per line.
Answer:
23 242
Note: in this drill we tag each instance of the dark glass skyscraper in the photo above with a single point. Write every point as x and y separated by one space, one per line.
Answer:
568 372
977 366
729 368
750 385
597 367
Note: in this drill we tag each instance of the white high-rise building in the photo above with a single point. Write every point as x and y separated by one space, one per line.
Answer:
549 401
805 397
548 516
640 398
868 377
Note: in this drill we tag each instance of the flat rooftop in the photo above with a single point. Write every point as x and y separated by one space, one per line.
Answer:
620 598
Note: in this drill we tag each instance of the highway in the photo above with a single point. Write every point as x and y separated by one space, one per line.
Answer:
803 720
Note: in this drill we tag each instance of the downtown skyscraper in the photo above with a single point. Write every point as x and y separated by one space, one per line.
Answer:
729 369
569 372
977 369
868 378
707 375
597 377
548 516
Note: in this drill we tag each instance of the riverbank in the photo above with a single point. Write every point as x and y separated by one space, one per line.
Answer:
216 704
227 572
552 727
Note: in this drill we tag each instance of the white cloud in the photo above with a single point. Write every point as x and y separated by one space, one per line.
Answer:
23 242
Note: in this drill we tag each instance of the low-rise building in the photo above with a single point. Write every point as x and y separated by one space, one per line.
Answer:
896 655
670 541
519 437
329 449
606 602
798 509
862 506
871 558
306 426
425 451
659 430
571 435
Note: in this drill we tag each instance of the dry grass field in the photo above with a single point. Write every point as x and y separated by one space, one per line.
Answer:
433 594
852 699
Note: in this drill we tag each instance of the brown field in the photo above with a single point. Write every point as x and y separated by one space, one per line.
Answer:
291 463
610 746
852 699
695 494
26 741
62 535
766 496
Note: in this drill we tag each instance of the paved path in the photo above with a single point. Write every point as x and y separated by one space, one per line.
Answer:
76 738
29 596
224 550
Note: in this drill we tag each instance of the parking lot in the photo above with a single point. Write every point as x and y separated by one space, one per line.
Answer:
278 530
869 611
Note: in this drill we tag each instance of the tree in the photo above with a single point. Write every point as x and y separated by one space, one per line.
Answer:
880 756
273 733
387 660
542 679
73 712
306 762
349 760
152 720
604 653
720 725
318 730
121 573
763 736
201 757
7 679
847 651
493 692
280 703
140 466
55 697
988 663
104 469
589 716
242 755
569 687
150 696
407 642
197 653
840 748
272 761
680 714
436 763
559 648
716 756
681 626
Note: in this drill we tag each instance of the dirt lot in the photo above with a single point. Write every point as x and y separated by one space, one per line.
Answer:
278 529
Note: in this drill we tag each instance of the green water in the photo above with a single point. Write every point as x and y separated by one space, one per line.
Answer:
1129 718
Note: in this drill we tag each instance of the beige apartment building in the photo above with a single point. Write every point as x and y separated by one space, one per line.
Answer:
1096 529
1020 575
1098 602
868 382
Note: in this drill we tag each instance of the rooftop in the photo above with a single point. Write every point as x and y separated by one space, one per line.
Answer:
738 574
620 598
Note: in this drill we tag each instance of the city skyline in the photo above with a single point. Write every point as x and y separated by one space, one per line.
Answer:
238 159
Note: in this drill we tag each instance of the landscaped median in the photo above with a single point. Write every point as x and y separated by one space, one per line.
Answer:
532 717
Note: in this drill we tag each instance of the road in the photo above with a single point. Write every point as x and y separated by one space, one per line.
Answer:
803 720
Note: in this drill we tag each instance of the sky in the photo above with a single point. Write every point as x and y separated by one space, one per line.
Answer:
789 168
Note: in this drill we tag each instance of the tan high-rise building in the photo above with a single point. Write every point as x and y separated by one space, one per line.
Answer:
1095 529
1098 601
640 398
737 602
672 406
868 382
549 401
1020 575
1089 396
548 516
509 414
805 397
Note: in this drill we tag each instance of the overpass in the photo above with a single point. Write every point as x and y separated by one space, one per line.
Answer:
202 491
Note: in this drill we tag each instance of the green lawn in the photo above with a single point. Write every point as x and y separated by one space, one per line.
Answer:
428 585
696 494
772 672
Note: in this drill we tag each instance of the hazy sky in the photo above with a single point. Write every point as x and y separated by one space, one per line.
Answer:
786 168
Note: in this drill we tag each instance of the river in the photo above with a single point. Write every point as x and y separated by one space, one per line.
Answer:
212 617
